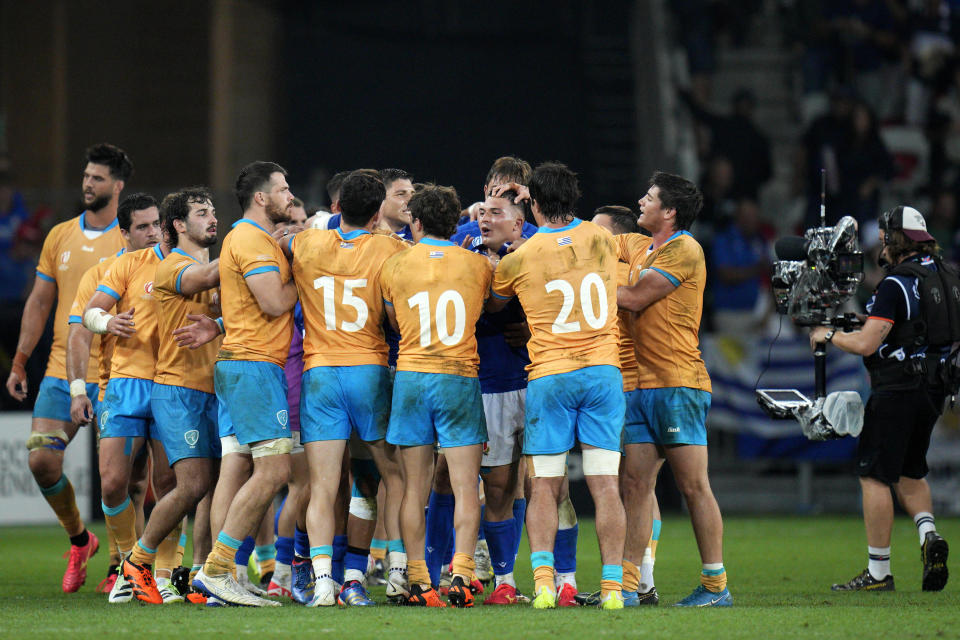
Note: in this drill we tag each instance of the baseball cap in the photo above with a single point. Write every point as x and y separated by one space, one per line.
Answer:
908 220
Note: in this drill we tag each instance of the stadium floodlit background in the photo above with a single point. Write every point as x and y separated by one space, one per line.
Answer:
749 97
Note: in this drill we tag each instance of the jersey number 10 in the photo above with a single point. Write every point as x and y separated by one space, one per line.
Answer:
421 301
595 320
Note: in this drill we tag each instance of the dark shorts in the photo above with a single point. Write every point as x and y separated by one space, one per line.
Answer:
896 434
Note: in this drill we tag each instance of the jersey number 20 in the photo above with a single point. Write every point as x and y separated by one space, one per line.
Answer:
596 320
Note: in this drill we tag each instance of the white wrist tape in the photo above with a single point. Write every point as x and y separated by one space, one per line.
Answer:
78 388
96 320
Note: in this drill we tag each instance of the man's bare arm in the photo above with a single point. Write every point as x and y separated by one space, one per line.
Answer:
274 297
35 314
199 278
652 287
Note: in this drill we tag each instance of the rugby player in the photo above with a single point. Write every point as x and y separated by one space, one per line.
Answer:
182 399
70 249
565 278
665 292
638 584
257 298
346 382
434 294
126 419
136 217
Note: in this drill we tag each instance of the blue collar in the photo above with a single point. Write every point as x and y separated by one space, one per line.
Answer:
83 224
249 221
157 250
351 235
184 254
673 237
570 226
436 243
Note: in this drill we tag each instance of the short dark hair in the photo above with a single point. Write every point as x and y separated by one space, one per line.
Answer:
511 169
389 176
680 194
360 198
297 202
334 185
437 208
176 206
121 167
133 202
252 178
554 188
623 218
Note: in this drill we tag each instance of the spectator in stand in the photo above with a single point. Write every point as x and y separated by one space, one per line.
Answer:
933 25
943 221
865 47
695 30
737 138
819 150
865 164
14 273
740 265
943 132
718 201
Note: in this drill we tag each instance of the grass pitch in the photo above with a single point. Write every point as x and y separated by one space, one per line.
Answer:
780 573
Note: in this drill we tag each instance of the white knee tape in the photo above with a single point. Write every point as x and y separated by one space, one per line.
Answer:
230 444
275 447
601 462
363 508
552 466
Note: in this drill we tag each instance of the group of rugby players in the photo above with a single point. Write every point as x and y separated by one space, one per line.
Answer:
413 374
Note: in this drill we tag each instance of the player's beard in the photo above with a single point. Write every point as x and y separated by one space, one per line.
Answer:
277 214
99 203
202 239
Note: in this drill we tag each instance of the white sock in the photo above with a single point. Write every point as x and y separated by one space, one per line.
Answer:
354 574
281 575
397 560
925 524
646 572
879 564
162 581
506 578
322 567
565 578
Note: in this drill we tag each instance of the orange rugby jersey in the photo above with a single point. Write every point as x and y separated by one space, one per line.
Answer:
437 291
628 356
66 255
101 347
566 280
181 367
337 275
129 281
666 334
250 333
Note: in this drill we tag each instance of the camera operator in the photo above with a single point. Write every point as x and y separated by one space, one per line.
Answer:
905 401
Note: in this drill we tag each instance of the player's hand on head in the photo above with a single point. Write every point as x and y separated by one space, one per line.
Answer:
523 193
121 325
202 330
81 410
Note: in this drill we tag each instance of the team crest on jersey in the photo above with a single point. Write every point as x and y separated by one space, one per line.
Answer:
148 288
436 254
346 245
282 417
564 241
191 437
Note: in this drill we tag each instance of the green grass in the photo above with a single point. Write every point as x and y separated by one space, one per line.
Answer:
780 573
